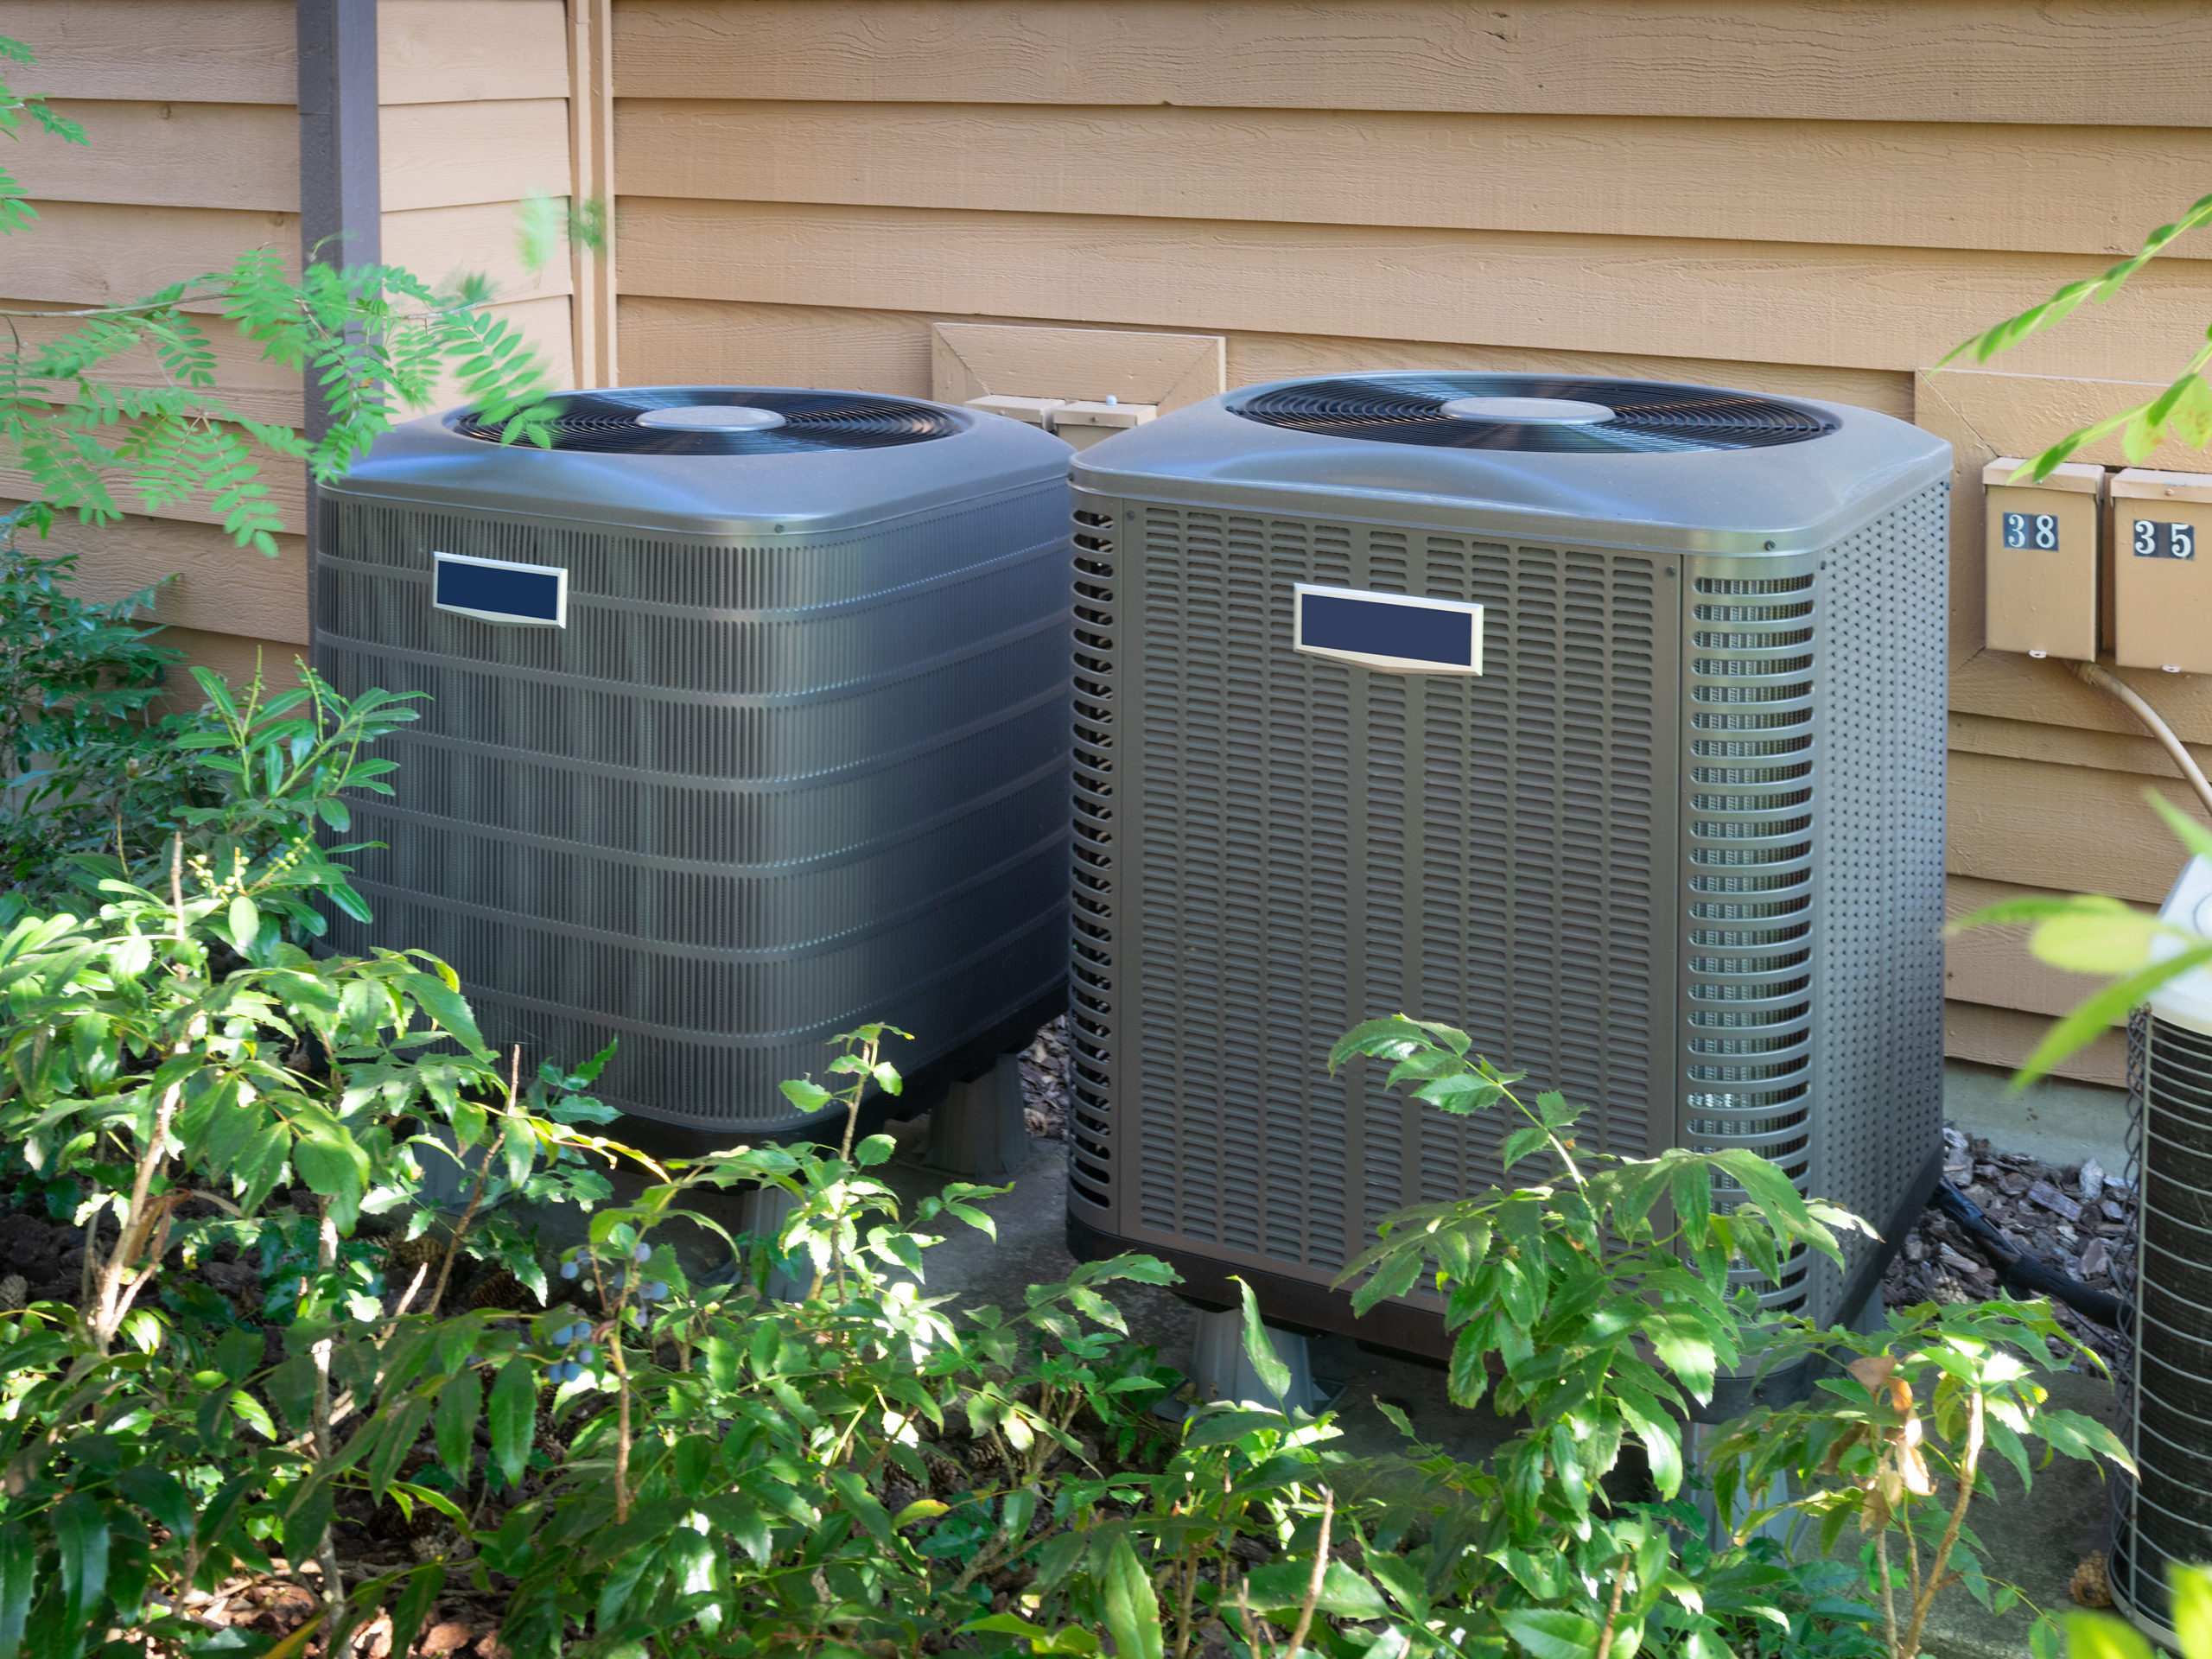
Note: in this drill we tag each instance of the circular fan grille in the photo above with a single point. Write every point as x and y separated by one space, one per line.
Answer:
605 422
1648 418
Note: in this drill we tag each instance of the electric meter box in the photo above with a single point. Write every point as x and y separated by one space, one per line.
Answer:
2162 598
2041 577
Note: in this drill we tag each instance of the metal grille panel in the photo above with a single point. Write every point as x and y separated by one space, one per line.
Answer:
1816 1038
2164 1515
752 795
1272 848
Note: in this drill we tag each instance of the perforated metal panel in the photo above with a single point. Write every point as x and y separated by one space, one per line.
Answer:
1677 851
758 791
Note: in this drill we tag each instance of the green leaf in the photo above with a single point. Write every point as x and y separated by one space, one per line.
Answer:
514 1417
861 1503
807 1097
414 1605
2095 935
2097 1636
161 1495
1132 1611
394 1444
1551 1633
2192 1619
18 1564
1282 1585
2108 1007
1071 1638
1267 1366
447 1007
81 1538
308 1519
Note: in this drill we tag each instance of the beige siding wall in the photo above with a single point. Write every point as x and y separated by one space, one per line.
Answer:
1818 199
193 157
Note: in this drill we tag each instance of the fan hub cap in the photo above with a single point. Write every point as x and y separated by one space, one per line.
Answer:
1550 412
712 418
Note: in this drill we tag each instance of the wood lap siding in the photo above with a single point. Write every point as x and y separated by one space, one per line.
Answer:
189 106
1817 198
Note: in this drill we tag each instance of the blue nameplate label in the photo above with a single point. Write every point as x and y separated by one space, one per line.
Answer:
493 590
1398 633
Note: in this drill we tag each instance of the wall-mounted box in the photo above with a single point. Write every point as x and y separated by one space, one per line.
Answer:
2042 569
1087 384
2161 593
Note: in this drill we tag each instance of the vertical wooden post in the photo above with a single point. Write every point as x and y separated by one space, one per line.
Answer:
341 192
591 169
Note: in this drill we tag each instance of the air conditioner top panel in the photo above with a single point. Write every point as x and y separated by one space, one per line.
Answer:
1582 460
714 460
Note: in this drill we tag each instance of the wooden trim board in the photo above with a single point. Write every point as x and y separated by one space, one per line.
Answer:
2104 63
888 351
2005 1037
2084 190
591 111
1863 308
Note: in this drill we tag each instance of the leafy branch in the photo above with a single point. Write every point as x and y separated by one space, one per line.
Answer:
2183 408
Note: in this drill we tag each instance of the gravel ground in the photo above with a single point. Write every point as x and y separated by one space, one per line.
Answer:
2076 1216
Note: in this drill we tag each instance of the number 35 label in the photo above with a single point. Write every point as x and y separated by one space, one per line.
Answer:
2156 539
2036 530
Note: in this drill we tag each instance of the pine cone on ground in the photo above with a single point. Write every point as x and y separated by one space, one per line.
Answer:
413 1252
500 1288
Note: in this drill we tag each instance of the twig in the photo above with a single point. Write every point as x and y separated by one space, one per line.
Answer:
132 1229
476 1197
1889 1595
1613 1611
1935 1576
1313 1585
334 1580
413 1285
1255 1643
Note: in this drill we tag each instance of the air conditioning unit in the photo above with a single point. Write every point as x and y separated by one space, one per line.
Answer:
2161 1516
748 723
1604 719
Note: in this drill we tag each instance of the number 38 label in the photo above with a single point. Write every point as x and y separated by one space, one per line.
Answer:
2156 539
2036 530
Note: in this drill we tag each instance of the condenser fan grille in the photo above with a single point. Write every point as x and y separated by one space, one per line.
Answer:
804 422
1647 418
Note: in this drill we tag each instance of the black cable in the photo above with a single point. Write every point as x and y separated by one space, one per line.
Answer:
2031 1272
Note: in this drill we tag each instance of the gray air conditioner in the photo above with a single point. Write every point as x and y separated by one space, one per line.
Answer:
1604 719
747 723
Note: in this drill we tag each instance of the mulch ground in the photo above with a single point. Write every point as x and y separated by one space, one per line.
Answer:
2076 1216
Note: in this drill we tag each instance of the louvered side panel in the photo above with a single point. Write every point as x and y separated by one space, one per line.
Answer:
751 796
1811 947
1296 845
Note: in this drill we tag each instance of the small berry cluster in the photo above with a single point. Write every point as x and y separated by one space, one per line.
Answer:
628 1279
568 1370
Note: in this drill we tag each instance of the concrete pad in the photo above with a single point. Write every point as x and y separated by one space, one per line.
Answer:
2055 1119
